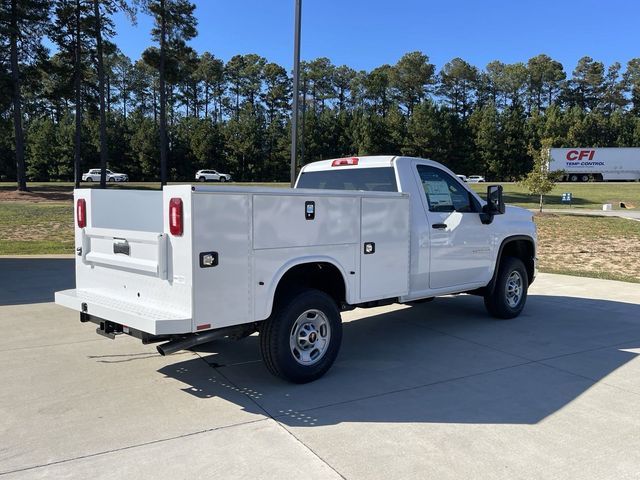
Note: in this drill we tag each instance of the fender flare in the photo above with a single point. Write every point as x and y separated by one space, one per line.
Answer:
505 242
282 271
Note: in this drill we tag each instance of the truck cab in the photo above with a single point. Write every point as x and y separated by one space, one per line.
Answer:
455 244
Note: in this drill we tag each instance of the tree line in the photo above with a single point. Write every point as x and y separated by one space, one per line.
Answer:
84 104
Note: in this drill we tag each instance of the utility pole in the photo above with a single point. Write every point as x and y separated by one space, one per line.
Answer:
296 87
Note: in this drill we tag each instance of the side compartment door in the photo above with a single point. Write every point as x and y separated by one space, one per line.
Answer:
384 250
460 245
223 293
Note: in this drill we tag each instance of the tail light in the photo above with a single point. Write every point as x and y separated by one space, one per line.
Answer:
175 216
81 213
341 162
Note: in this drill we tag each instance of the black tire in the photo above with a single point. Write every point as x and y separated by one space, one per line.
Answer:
89 179
500 301
202 179
573 178
111 179
584 178
277 331
222 179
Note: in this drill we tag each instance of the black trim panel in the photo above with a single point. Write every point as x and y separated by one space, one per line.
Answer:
505 242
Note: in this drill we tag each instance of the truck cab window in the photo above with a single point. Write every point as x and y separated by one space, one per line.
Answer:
380 179
443 192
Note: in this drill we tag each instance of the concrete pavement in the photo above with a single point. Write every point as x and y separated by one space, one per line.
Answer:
436 390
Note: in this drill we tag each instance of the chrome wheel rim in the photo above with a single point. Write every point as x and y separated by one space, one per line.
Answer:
310 337
514 289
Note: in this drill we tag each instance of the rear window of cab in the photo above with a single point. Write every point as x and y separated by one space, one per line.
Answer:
379 179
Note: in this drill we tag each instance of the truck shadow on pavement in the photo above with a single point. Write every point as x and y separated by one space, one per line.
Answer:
34 280
440 362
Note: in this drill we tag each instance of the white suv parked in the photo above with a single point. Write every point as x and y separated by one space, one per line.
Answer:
475 179
212 175
94 176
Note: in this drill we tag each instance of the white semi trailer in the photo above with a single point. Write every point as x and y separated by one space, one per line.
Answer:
585 164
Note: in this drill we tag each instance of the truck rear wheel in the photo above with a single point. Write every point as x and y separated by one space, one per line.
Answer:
300 340
509 293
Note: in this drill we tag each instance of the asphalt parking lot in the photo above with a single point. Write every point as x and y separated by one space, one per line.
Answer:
436 390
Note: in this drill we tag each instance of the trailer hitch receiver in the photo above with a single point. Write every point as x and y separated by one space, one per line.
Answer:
109 329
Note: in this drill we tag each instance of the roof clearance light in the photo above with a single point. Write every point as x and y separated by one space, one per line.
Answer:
175 216
342 162
81 213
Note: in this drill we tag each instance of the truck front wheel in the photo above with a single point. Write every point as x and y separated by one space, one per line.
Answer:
300 340
509 293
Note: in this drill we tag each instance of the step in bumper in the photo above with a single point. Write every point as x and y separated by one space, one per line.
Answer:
152 320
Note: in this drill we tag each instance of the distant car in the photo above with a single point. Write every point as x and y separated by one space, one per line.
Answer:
212 176
94 176
463 178
475 179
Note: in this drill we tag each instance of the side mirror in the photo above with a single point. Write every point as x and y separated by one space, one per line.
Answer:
495 202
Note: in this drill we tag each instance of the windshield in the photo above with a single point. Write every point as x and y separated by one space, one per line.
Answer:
380 179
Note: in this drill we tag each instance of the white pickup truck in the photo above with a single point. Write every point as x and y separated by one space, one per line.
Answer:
190 264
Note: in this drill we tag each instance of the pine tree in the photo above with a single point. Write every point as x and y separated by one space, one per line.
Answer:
411 78
72 35
210 71
487 139
587 84
545 77
103 26
632 83
174 25
23 23
98 27
458 81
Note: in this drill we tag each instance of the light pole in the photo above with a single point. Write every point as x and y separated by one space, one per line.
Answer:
296 87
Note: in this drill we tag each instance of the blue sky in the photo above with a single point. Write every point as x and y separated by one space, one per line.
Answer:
366 34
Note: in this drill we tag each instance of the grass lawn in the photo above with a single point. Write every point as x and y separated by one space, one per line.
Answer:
600 247
36 228
585 195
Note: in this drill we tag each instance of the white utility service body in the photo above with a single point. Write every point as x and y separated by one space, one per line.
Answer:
257 235
584 164
228 256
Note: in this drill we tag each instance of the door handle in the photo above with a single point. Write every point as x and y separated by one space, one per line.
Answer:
439 226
